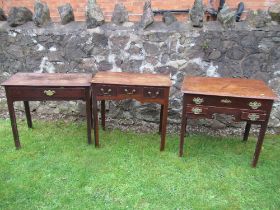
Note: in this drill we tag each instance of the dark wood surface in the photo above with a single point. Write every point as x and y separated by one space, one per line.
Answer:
134 79
146 88
232 87
49 79
40 87
245 100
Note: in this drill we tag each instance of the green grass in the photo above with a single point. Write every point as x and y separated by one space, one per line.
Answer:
56 169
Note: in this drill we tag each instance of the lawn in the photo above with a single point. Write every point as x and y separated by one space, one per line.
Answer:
56 169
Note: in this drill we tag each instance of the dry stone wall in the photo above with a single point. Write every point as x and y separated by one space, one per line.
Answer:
178 50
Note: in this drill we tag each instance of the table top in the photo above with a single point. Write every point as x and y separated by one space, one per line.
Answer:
231 87
136 79
49 79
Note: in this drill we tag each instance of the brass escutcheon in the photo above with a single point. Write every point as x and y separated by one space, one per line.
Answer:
49 92
255 105
198 100
196 110
130 93
106 93
226 101
253 116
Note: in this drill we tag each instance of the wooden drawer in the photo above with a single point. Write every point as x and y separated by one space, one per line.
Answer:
197 110
251 116
129 91
230 102
47 93
105 90
152 92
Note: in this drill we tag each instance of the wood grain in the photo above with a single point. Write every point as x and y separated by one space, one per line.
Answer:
135 79
49 80
233 87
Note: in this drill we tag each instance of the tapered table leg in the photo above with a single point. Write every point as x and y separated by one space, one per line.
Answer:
95 120
13 122
27 113
183 128
247 131
160 121
103 114
89 115
259 143
163 126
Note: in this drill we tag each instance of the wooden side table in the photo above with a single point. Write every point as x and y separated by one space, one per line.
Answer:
151 88
46 87
246 100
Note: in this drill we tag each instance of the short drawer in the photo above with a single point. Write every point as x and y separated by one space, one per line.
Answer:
129 91
197 110
251 116
47 93
105 90
153 92
230 102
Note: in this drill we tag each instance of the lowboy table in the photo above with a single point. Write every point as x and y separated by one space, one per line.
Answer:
246 100
46 87
152 88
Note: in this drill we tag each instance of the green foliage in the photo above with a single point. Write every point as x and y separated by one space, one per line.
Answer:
56 169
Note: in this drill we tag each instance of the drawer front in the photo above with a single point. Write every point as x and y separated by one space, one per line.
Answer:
251 116
48 93
197 110
129 91
105 90
231 102
153 92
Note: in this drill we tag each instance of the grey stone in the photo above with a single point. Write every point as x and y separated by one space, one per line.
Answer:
253 64
226 16
131 65
41 14
258 19
197 14
104 66
66 13
166 70
274 12
168 18
215 54
151 49
120 14
94 15
2 15
119 42
148 15
18 16
134 50
235 53
99 40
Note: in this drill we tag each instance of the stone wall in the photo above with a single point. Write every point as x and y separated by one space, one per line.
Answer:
178 50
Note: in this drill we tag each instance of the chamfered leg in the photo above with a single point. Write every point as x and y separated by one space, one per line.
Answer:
103 110
259 143
95 120
163 126
89 115
161 114
28 114
13 122
183 128
247 131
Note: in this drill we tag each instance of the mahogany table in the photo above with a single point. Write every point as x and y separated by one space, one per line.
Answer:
46 87
152 88
246 100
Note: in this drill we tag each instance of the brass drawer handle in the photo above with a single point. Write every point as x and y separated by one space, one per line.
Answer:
226 101
255 105
129 93
198 100
155 94
253 116
106 93
49 92
196 110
